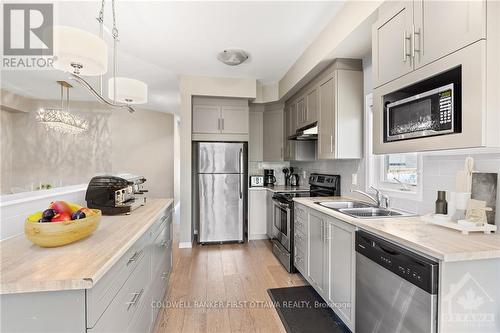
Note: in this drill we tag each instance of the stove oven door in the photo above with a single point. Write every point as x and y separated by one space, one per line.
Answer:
282 214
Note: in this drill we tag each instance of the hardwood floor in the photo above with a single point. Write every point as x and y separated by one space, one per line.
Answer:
232 280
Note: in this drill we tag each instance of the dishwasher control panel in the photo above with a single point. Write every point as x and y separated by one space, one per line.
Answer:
412 267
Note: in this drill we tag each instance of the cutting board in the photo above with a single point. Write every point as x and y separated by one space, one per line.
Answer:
484 188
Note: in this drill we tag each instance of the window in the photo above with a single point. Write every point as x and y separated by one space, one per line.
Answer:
398 174
401 168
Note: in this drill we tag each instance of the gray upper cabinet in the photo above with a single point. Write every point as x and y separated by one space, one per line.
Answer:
307 108
220 119
442 27
391 41
333 100
301 112
412 34
312 106
256 136
234 120
206 119
288 131
340 122
273 135
326 130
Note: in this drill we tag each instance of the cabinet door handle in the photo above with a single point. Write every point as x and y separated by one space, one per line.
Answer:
134 257
322 230
218 124
331 143
413 43
135 298
405 51
222 120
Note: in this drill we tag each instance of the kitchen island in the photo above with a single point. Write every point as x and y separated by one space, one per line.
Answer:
106 282
468 265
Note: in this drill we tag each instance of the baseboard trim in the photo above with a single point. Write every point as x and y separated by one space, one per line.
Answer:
258 237
185 245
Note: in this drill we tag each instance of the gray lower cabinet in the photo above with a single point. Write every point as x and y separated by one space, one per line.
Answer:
123 300
325 256
134 307
318 252
342 263
269 214
300 239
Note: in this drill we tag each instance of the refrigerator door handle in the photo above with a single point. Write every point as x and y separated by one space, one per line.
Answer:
240 162
240 187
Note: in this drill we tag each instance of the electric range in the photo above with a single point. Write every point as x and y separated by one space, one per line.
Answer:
320 185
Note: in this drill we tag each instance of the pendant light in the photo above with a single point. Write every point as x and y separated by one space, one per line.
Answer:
90 58
61 119
128 90
122 89
79 51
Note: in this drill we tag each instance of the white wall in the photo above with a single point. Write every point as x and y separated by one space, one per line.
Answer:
439 174
353 20
117 141
143 143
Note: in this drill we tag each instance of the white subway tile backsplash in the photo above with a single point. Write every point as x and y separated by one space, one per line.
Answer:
443 183
439 173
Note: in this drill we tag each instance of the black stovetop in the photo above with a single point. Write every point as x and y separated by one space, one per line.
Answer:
319 186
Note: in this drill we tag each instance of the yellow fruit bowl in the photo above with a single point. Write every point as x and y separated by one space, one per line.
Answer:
52 234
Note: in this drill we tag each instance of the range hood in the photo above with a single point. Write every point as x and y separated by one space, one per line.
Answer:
307 133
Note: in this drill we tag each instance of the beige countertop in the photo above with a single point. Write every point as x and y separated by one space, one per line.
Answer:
25 267
411 232
281 188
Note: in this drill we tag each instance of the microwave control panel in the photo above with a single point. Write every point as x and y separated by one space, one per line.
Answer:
445 107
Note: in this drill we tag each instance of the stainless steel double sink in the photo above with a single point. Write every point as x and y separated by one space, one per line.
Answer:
362 210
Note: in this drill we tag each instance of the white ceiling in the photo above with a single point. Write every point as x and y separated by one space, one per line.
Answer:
159 40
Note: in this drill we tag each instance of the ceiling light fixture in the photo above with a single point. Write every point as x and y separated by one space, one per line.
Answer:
60 119
83 54
79 51
232 57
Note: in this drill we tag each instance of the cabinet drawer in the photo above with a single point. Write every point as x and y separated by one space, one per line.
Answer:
160 223
300 240
299 260
300 225
142 321
118 315
300 213
159 249
101 295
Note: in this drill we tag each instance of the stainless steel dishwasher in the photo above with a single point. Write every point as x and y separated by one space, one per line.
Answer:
396 289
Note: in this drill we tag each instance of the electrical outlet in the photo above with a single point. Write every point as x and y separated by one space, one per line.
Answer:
354 179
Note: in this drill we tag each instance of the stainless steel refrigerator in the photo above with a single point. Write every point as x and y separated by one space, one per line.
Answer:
220 193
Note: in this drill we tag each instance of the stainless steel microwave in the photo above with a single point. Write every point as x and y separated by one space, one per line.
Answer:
430 113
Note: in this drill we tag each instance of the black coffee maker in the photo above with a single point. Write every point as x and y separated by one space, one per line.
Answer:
269 178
